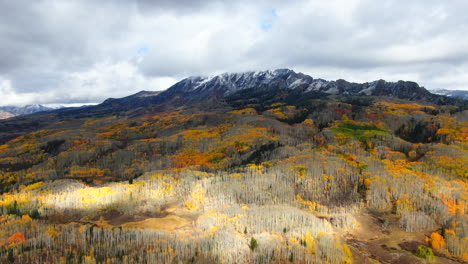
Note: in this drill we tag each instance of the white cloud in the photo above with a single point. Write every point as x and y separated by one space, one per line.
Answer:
104 79
10 97
90 86
78 51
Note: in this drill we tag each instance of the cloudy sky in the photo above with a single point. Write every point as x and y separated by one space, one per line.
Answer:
56 51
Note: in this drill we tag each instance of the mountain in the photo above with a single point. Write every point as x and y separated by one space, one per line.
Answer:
255 167
224 87
463 94
27 109
11 111
231 89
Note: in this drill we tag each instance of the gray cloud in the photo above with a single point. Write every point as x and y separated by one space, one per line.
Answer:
86 51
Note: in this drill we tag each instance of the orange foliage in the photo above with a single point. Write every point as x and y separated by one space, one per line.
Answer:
15 239
400 167
437 241
451 134
251 134
196 134
171 119
283 112
343 112
81 141
277 105
191 157
106 134
278 113
450 232
150 139
308 122
4 148
454 165
80 172
245 111
241 146
405 107
446 121
453 206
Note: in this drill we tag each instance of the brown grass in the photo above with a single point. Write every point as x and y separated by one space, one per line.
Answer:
168 223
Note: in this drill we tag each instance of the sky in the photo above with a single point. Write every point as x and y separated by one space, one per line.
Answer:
63 52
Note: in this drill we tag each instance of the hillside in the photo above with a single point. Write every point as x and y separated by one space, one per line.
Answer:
256 167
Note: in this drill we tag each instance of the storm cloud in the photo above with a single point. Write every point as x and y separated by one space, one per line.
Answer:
86 51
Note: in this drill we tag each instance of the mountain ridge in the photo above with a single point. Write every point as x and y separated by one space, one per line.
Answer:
196 89
215 90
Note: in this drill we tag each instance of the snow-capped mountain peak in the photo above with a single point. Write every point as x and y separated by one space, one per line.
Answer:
201 88
229 83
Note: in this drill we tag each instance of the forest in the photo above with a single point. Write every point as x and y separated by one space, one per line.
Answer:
327 180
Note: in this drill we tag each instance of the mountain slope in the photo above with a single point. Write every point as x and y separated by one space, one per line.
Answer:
240 168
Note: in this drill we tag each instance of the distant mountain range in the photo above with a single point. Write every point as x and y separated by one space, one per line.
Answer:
230 87
27 109
451 93
239 88
11 111
227 84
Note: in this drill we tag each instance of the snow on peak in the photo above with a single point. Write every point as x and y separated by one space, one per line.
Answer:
201 81
297 83
229 83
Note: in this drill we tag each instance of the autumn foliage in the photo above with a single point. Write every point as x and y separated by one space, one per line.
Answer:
295 175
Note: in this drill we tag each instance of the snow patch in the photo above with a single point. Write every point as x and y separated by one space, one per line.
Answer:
201 82
315 86
297 83
333 90
368 90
